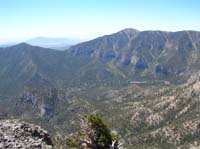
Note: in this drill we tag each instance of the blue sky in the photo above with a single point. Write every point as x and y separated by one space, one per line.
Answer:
92 18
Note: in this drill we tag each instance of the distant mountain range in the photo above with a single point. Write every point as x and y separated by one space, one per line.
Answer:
133 78
54 43
147 53
45 42
128 55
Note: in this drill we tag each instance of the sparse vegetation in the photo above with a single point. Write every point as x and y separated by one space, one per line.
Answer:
94 134
130 78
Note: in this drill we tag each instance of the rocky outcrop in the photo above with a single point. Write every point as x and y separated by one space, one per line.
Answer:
15 134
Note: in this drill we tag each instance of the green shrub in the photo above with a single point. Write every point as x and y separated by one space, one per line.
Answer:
94 133
73 143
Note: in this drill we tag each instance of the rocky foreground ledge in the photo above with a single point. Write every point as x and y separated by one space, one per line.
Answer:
15 134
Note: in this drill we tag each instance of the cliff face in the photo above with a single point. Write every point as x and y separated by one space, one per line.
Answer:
17 134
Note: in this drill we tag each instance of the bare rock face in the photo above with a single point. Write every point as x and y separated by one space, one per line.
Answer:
15 134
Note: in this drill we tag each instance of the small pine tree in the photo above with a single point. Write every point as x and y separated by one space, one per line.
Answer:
94 134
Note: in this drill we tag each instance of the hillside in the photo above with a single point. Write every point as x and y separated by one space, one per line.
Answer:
146 54
24 66
116 59
167 116
137 81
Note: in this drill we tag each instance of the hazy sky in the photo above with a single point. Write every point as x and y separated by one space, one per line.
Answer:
91 18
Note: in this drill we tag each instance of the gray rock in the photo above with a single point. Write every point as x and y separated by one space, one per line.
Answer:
15 134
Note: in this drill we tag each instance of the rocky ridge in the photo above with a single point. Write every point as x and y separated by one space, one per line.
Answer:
15 134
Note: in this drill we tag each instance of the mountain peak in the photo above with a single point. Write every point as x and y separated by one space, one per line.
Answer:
23 44
128 30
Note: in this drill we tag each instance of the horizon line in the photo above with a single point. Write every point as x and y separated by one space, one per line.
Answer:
23 39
